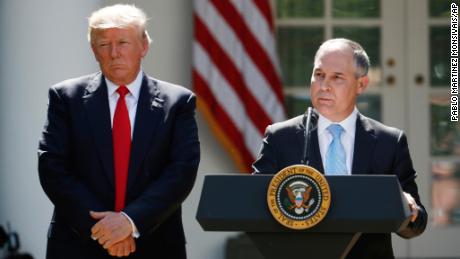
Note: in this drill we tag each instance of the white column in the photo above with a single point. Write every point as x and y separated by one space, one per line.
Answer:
42 42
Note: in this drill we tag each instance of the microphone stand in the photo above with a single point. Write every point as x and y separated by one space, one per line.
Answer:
307 121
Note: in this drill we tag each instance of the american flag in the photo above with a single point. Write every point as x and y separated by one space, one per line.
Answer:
236 75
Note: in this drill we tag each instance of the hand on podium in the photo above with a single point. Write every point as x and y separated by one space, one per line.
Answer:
414 208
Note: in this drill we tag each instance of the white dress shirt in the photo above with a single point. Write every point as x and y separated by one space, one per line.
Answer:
131 100
347 138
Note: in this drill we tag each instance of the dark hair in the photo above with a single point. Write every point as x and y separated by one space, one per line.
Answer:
362 62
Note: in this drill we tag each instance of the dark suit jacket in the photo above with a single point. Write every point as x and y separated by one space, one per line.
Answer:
378 149
76 166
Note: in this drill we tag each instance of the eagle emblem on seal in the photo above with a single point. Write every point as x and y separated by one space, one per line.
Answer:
299 197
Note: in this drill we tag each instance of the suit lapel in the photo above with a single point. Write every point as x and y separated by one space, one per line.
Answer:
314 155
365 141
96 103
148 113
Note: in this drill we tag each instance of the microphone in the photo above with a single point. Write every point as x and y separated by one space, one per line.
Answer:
307 121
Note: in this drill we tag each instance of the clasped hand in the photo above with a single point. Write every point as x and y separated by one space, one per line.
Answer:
113 231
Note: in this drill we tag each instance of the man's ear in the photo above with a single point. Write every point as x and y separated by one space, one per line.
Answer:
93 48
363 82
145 45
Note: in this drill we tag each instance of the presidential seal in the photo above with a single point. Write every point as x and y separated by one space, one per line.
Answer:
299 197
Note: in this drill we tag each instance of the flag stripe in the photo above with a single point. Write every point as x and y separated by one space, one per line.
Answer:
253 48
226 123
266 11
226 97
227 41
232 75
236 74
257 23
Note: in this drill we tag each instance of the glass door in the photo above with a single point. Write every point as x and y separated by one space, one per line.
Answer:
435 140
303 25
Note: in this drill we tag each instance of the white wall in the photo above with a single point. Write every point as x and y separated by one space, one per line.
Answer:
41 43
44 42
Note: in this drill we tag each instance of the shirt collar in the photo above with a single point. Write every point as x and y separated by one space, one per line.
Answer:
134 87
348 124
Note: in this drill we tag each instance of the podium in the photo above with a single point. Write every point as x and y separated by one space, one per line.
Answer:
359 204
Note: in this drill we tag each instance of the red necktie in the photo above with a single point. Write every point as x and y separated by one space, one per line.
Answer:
121 137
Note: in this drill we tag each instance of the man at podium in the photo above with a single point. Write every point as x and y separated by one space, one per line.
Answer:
342 141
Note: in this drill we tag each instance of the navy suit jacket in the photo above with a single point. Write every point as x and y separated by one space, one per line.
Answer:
378 149
76 166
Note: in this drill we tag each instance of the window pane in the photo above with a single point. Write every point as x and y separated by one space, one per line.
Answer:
356 8
445 192
440 8
299 8
445 135
296 48
440 56
369 105
296 105
369 38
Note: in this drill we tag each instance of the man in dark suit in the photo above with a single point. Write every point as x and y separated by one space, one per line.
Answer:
343 141
119 152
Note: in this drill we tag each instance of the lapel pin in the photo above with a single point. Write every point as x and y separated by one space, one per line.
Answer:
157 102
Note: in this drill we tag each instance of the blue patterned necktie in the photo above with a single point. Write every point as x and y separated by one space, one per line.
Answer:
335 157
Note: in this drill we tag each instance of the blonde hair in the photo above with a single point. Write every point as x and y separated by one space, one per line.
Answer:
119 16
